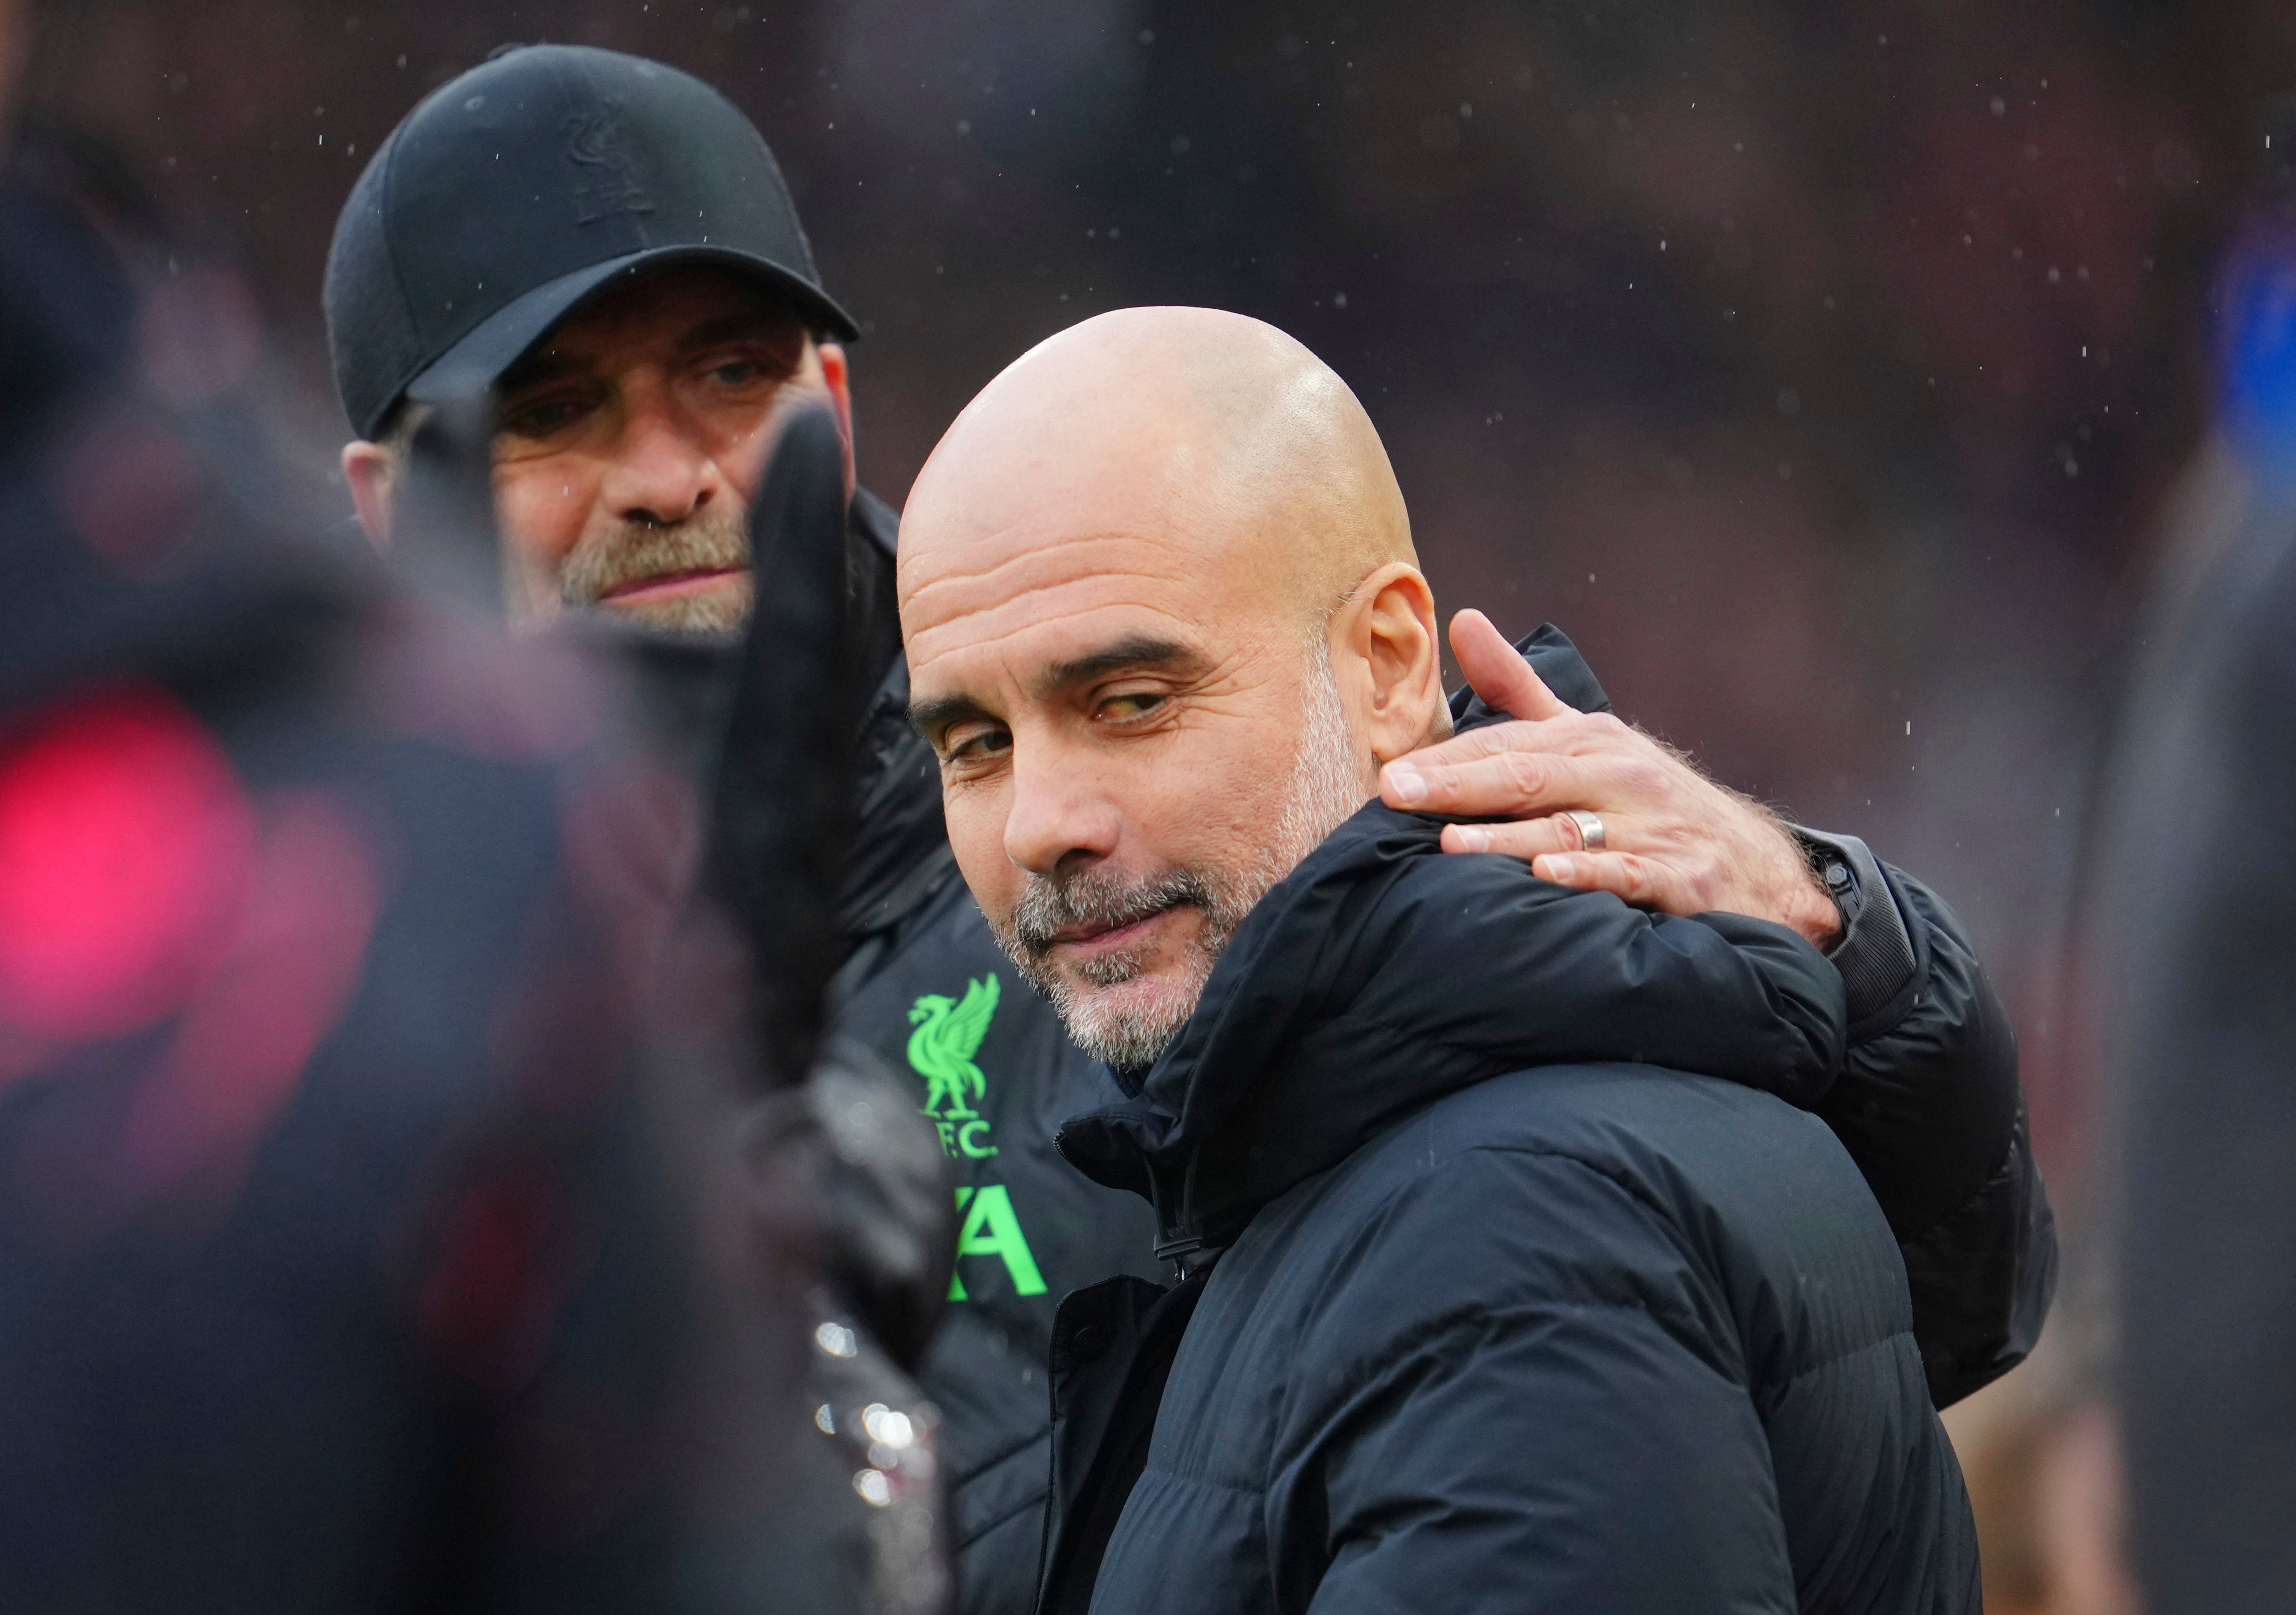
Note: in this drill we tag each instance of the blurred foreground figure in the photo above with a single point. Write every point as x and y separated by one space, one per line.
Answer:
397 1208
2202 920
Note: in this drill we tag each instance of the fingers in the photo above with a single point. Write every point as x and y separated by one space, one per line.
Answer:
1635 881
1491 738
1551 846
1528 840
1569 732
1498 672
1513 783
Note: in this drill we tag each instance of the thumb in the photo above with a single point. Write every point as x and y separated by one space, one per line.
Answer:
1498 672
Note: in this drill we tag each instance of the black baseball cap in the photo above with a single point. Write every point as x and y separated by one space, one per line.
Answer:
514 192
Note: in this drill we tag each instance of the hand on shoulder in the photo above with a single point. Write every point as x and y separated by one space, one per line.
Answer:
1671 840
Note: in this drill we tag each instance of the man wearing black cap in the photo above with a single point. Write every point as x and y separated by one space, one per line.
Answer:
608 244
631 441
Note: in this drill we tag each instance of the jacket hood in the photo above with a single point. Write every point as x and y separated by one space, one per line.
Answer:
1383 975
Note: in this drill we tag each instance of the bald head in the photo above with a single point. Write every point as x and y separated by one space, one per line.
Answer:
1164 622
1228 438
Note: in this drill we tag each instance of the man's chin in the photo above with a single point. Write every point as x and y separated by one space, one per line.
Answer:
1127 1023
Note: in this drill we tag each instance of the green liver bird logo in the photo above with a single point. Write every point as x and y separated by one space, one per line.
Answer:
948 1034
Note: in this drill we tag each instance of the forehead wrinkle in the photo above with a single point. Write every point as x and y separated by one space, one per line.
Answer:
1078 551
922 642
953 593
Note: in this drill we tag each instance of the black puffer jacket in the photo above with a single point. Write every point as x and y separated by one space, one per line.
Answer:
1485 1326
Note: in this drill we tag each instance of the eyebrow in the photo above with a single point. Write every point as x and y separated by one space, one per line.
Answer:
551 365
929 717
1141 650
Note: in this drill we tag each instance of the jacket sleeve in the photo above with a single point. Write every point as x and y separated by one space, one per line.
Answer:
1537 974
1927 1099
1928 1104
1579 1443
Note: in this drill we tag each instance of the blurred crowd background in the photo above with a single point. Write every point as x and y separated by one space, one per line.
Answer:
1837 375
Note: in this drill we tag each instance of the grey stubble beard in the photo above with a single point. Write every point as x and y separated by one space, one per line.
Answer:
634 551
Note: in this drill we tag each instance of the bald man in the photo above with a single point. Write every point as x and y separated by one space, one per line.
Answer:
1493 1295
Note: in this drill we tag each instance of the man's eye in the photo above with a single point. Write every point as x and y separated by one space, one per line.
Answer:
979 745
740 368
1134 704
542 418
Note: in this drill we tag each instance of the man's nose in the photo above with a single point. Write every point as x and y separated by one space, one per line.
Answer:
1058 819
663 471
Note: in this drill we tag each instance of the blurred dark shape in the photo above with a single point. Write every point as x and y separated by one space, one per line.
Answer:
448 543
2208 898
118 548
780 829
763 732
397 1209
784 801
2199 922
888 1228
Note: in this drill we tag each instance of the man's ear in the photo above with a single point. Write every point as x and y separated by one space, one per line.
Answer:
373 473
1386 633
840 382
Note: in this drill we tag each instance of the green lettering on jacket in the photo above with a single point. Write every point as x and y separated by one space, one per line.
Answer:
991 1229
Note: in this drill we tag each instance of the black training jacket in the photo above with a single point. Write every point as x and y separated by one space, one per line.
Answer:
1926 1099
1472 1324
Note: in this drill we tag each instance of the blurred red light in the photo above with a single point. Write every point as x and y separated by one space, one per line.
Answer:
125 842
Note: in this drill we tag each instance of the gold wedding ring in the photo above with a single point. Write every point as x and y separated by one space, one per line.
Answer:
1590 828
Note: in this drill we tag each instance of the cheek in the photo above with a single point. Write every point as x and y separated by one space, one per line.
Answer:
542 508
1219 788
975 816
